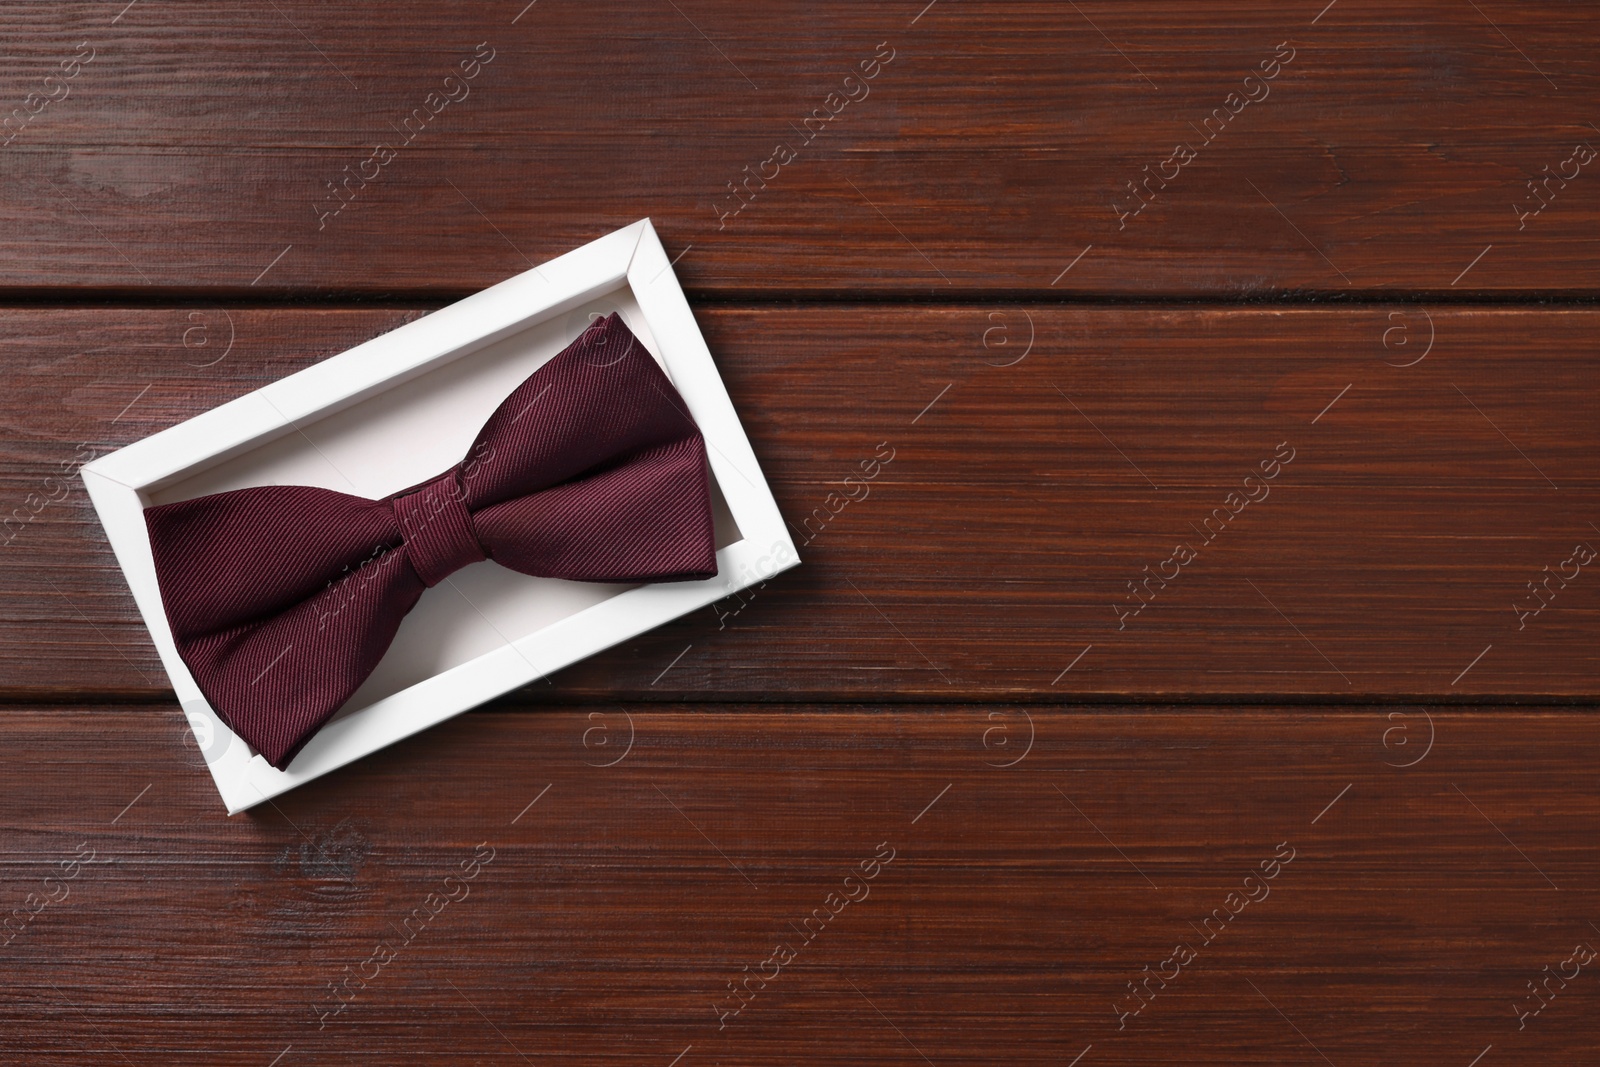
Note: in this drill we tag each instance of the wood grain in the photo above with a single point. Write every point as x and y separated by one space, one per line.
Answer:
1037 379
1020 900
200 147
1390 557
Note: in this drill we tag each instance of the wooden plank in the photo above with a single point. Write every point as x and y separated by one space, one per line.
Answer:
1396 906
1003 147
1390 556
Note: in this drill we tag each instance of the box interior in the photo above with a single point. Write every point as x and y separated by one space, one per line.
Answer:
415 429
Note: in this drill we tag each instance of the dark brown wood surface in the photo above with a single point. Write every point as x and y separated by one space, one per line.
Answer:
201 145
1384 666
1416 905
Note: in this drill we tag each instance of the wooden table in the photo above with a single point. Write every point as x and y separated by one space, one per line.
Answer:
1207 676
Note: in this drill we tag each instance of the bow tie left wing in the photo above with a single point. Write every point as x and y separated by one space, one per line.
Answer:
282 600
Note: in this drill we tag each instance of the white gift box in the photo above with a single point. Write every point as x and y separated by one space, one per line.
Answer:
403 407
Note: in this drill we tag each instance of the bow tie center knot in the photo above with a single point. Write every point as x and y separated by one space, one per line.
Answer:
437 527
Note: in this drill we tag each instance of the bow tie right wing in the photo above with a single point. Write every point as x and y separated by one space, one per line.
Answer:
647 520
599 403
593 470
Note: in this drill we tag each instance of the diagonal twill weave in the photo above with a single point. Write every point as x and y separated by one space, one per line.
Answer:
282 599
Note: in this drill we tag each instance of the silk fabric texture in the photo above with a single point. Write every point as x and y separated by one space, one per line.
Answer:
282 599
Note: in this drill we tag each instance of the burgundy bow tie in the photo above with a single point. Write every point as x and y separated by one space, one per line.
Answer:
282 599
